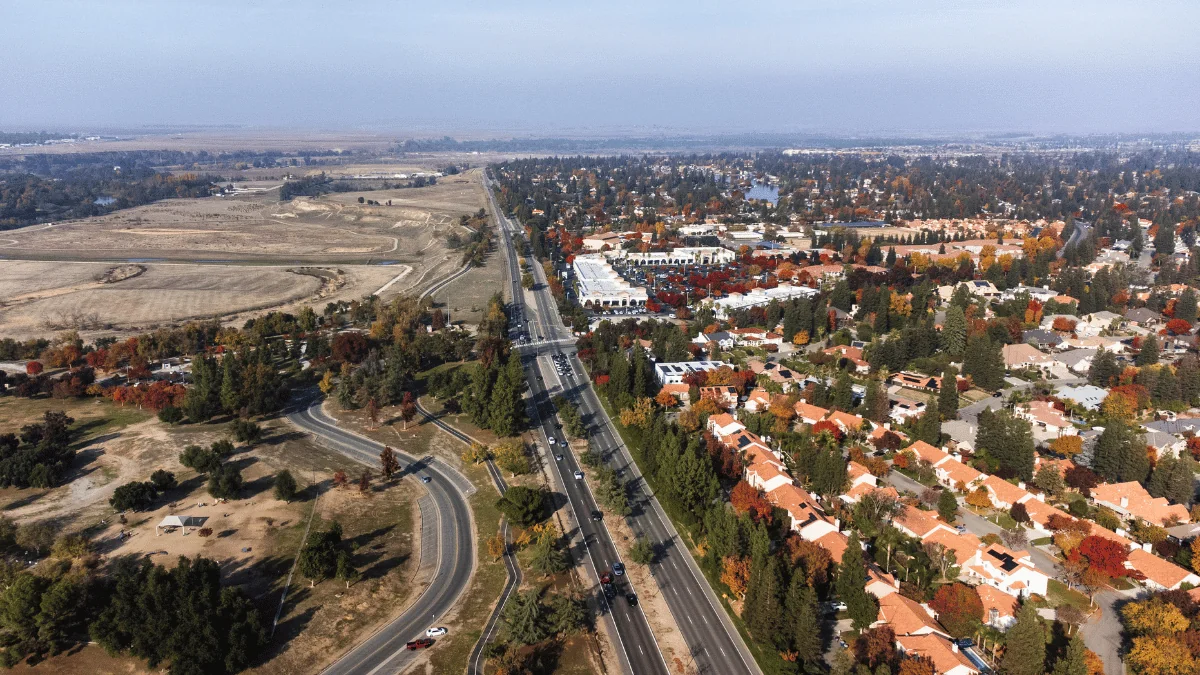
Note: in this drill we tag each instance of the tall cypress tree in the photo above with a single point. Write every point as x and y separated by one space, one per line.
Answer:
948 394
1148 355
1074 659
851 586
802 625
1026 653
954 332
1120 453
765 615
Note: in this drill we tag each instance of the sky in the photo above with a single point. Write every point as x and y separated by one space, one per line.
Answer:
523 67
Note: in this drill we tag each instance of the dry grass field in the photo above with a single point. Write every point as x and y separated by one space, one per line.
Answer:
254 538
228 257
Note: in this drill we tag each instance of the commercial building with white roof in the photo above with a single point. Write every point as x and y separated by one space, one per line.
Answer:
600 285
759 296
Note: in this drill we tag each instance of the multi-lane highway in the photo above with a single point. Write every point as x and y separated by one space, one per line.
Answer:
453 540
634 640
715 645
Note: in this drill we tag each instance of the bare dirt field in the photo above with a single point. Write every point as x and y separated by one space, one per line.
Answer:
227 258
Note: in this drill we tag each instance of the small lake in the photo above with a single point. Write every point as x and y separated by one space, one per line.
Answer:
764 192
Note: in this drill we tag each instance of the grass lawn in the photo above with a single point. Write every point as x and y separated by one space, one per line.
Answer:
1058 594
1043 541
93 416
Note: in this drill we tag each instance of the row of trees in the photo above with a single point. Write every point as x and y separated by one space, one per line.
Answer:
40 455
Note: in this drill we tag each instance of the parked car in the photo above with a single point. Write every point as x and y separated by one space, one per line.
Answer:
436 632
420 644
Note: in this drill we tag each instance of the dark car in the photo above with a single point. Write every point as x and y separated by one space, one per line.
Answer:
420 644
596 515
618 569
609 591
631 598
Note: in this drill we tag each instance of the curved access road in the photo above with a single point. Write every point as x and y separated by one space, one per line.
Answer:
384 652
476 662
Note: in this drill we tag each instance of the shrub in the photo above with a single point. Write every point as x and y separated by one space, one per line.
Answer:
523 506
222 448
170 415
225 482
245 431
201 460
205 532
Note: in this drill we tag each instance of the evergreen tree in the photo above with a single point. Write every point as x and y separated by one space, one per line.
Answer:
695 482
876 402
1009 440
202 400
1164 240
1188 374
1074 659
851 586
1104 369
828 475
928 426
947 506
1026 652
948 394
231 394
1148 355
891 256
842 396
802 625
1185 307
984 362
765 615
1120 453
841 296
1173 478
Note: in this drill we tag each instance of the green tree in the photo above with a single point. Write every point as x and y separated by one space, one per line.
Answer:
1173 478
524 618
1074 660
1007 439
163 480
1026 652
523 506
851 586
1148 355
225 483
547 558
764 615
828 474
876 402
928 427
1104 369
59 613
344 569
1185 307
319 558
1120 453
842 396
200 459
954 332
285 486
804 631
984 362
947 506
136 496
642 551
948 394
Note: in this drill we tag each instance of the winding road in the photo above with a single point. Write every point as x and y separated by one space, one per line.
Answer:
384 652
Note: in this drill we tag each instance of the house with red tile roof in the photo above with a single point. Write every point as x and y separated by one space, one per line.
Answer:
679 390
722 425
907 616
879 583
852 354
953 474
1047 421
1130 500
1003 493
941 652
758 400
1159 574
963 545
809 414
917 523
846 421
999 608
928 453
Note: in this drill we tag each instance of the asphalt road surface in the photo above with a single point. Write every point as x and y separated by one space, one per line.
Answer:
715 645
385 652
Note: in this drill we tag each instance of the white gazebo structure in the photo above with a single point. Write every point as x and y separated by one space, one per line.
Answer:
181 522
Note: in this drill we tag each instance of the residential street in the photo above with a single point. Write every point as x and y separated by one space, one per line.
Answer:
1103 633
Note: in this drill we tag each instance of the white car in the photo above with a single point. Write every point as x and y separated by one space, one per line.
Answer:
435 632
578 475
553 441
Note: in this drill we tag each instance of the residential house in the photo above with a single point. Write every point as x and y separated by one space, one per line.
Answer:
1047 421
1009 571
724 396
1165 444
846 353
1078 361
848 423
808 413
881 584
999 608
1143 317
861 480
1130 500
940 651
907 616
722 339
1021 356
1095 322
723 425
1003 493
679 390
903 409
1088 396
917 523
1042 339
755 337
913 380
1159 574
758 400
673 373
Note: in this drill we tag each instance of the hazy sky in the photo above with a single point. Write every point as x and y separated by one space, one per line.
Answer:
538 67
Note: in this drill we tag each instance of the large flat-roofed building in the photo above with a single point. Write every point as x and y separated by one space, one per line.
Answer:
601 286
673 373
758 297
684 255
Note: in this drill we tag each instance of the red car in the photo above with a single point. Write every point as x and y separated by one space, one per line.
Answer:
606 578
420 644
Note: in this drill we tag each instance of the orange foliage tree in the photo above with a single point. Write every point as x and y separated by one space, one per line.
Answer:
735 573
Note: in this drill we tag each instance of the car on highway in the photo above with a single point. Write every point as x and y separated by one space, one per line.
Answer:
596 515
436 631
558 458
606 578
425 479
609 591
419 644
618 569
631 598
552 440
578 475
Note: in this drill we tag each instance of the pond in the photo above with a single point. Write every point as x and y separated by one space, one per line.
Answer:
764 192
